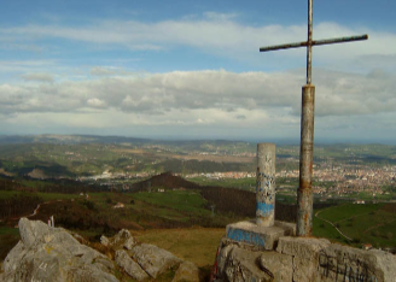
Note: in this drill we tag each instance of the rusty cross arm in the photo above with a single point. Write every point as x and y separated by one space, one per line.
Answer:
309 43
315 42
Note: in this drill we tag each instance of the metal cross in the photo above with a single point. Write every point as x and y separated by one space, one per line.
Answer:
304 193
309 43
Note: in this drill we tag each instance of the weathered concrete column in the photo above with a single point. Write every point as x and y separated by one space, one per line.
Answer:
265 184
304 193
263 232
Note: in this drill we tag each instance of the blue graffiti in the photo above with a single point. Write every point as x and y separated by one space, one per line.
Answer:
245 236
264 209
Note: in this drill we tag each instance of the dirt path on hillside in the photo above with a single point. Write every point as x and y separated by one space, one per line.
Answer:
35 212
332 224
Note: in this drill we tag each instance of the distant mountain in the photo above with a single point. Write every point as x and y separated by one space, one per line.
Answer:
239 202
164 180
78 139
69 139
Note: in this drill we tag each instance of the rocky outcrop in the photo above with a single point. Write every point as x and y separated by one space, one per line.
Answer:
131 267
153 259
140 261
187 272
122 239
53 254
298 259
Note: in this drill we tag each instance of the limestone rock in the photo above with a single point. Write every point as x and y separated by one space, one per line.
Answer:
80 239
32 232
304 260
187 272
153 259
337 262
131 267
105 264
104 241
241 266
280 265
122 239
386 265
222 258
52 254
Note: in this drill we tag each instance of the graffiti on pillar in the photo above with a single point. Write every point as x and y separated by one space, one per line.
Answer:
265 192
345 270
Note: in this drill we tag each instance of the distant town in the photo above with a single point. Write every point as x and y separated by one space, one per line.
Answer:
340 170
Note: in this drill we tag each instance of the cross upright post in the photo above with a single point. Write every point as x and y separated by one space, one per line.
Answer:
304 193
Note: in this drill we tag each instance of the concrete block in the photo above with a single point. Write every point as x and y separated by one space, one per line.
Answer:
305 248
305 252
265 238
287 226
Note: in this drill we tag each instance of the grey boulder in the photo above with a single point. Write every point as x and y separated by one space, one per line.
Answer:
52 254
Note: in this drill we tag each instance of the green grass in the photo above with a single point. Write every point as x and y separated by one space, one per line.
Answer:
198 245
335 214
363 223
45 196
9 237
56 196
8 194
185 201
323 229
33 183
286 198
5 230
242 183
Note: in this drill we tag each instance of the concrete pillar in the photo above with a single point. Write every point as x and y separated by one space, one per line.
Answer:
304 193
265 184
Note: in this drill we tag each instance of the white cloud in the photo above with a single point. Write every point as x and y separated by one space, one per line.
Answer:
218 34
220 16
42 77
96 103
338 94
101 71
111 71
29 70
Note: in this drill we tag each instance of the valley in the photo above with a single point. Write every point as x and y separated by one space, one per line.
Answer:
94 186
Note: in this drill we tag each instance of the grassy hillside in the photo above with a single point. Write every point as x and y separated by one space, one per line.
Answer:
196 244
371 223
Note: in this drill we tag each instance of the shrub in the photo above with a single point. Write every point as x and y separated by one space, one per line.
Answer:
376 233
356 239
90 205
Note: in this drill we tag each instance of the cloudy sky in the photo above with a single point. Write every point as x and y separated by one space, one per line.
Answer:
192 69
